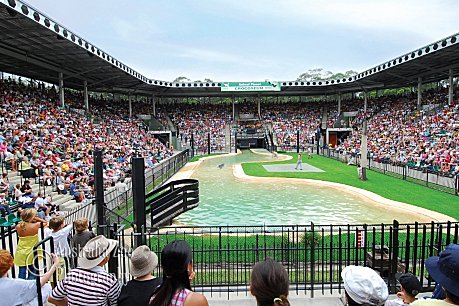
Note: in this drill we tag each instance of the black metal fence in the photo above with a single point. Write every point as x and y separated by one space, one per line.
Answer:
119 205
445 182
171 199
313 255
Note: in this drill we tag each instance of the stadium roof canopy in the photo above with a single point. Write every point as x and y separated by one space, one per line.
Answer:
34 46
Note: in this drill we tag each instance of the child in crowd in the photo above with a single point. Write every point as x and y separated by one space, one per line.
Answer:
60 233
83 234
269 283
138 290
410 286
363 286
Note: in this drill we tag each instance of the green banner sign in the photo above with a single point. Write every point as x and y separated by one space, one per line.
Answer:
251 86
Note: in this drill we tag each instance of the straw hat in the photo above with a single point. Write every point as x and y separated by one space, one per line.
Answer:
95 251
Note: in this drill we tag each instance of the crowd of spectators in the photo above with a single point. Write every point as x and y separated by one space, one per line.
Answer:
199 121
38 138
399 133
288 118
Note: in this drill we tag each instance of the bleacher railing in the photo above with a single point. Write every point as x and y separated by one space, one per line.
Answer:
446 182
313 255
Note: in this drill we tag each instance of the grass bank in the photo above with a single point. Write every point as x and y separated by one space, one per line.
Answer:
383 185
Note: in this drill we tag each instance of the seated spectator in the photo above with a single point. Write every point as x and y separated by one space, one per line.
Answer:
17 192
21 291
26 189
410 286
4 207
82 236
45 202
26 169
89 284
78 195
177 264
363 286
40 206
29 203
269 283
139 290
444 269
4 183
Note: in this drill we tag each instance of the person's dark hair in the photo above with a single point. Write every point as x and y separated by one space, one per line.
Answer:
269 283
453 298
175 258
350 301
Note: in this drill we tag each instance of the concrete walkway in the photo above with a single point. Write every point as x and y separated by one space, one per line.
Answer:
301 299
291 168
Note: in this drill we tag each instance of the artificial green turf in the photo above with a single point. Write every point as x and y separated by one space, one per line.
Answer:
383 185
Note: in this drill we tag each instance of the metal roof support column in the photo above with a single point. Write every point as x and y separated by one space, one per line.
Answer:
339 103
154 104
232 98
419 92
85 95
130 106
363 147
450 89
365 96
61 88
259 107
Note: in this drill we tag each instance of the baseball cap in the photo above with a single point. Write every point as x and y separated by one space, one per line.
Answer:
364 285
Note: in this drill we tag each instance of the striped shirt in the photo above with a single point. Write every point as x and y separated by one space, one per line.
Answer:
94 287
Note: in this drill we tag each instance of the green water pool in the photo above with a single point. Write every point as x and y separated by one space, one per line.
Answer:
227 200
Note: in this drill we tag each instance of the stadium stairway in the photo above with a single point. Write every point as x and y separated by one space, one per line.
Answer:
227 138
65 202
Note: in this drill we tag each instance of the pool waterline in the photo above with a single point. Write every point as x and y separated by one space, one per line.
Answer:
229 200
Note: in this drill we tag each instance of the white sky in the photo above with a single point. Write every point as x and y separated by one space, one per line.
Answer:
254 40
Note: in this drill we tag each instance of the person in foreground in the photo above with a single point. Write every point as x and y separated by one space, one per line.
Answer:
89 284
27 231
21 291
138 290
410 286
363 286
269 283
444 269
176 261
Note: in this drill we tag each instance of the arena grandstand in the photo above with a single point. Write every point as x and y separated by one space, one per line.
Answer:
84 135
